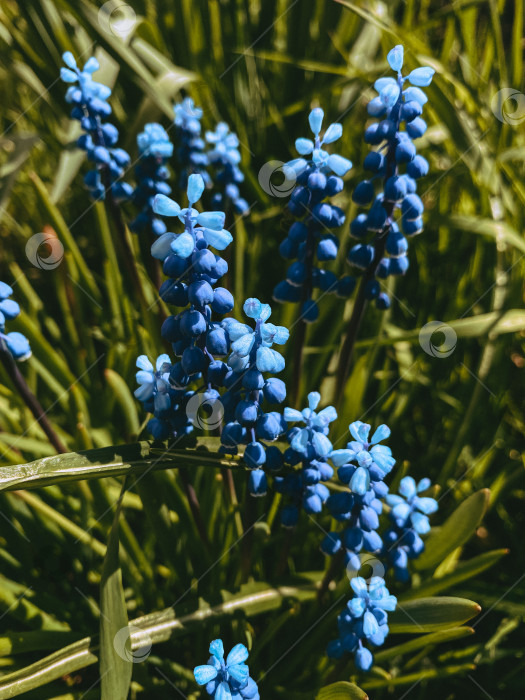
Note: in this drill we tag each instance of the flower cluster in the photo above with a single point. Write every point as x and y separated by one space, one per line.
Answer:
152 174
191 153
310 447
364 619
90 108
398 110
193 270
16 343
362 465
230 679
310 239
225 156
246 423
409 514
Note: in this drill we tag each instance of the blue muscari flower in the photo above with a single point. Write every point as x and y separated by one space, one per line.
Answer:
91 108
246 422
16 343
227 679
225 156
168 405
398 107
409 514
193 270
151 174
363 620
362 465
310 240
191 151
310 447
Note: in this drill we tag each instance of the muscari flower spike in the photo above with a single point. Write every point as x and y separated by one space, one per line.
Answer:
193 270
246 423
16 343
309 240
151 174
310 447
398 108
364 619
409 514
191 153
90 108
227 679
225 156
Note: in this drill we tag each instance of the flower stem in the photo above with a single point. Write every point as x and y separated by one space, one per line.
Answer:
29 398
195 507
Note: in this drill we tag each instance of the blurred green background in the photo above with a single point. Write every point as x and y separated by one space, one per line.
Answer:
261 66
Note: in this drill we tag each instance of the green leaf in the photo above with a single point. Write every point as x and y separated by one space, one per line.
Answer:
457 530
424 641
463 571
115 656
341 691
431 614
117 460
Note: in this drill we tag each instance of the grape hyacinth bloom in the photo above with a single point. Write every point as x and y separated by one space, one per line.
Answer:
310 447
310 240
409 514
227 679
225 156
362 465
91 108
395 163
364 619
193 270
246 422
168 405
191 153
16 343
151 174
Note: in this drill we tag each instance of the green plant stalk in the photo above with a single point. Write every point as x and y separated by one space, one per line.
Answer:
29 398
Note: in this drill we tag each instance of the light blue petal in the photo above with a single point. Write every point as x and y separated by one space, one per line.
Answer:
144 377
204 674
316 120
217 239
381 433
314 397
144 392
370 626
420 523
322 444
265 360
340 457
381 83
304 146
421 77
407 487
389 95
393 500
195 188
423 484
237 655
183 244
356 606
239 672
217 649
401 511
69 60
414 93
427 505
223 692
326 416
211 219
237 330
334 132
243 345
163 359
300 441
292 415
339 165
144 363
319 156
68 76
238 363
165 206
252 307
360 481
265 313
294 168
162 246
395 58
358 585
91 66
359 430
